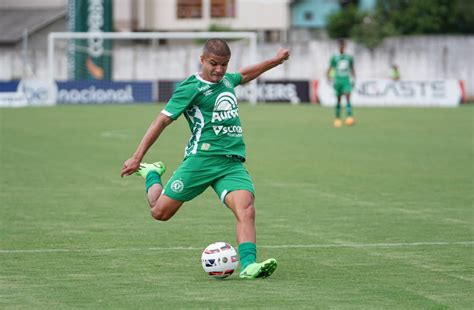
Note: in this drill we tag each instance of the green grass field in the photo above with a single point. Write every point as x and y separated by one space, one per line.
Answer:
379 215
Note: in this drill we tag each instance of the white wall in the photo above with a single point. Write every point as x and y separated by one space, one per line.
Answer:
259 15
123 15
418 57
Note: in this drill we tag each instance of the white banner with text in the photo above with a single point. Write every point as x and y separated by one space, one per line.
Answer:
384 92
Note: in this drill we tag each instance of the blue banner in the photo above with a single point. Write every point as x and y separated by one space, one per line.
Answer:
101 92
9 86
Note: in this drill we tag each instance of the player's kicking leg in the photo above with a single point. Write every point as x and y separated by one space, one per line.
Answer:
241 202
259 270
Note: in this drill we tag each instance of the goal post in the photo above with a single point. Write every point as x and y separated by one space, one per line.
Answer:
78 41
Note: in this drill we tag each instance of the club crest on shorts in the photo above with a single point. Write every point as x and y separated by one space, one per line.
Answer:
177 186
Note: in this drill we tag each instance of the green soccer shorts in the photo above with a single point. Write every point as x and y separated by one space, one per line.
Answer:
196 173
342 86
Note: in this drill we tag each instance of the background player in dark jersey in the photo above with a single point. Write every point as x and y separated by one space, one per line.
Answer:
341 68
215 153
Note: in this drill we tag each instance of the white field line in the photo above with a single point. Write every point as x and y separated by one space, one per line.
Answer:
283 246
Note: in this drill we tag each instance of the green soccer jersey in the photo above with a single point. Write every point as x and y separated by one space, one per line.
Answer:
342 64
212 114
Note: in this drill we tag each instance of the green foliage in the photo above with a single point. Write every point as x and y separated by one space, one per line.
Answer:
402 17
219 28
216 28
418 16
464 11
341 22
371 31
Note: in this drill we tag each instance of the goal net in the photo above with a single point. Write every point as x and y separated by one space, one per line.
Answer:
105 67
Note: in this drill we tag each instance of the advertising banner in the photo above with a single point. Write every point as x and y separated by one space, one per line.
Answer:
9 86
384 92
90 59
268 91
38 92
293 92
12 100
70 92
27 92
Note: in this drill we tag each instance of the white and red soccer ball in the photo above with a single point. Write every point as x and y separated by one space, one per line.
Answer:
219 260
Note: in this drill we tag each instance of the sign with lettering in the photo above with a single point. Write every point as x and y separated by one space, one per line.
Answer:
382 92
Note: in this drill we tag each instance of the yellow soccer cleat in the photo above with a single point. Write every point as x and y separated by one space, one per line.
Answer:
337 123
145 168
259 270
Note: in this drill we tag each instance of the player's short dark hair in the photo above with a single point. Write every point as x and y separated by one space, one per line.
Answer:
341 41
217 47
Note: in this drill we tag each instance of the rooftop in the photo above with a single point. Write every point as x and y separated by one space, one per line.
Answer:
14 21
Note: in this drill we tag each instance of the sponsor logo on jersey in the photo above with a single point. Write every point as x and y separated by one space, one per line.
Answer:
222 116
343 65
203 88
227 83
234 131
225 107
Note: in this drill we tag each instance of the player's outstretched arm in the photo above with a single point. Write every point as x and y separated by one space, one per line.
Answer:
328 74
154 131
252 72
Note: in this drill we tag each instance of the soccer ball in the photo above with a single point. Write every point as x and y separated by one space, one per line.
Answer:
219 260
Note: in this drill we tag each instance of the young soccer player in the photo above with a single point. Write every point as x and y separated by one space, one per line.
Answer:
215 152
341 67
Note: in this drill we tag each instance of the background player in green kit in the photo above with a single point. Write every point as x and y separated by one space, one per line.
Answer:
215 152
341 67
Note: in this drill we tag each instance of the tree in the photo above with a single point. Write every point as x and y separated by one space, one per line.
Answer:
464 11
341 22
402 17
418 16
